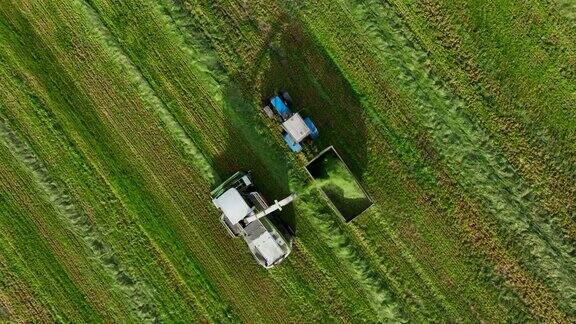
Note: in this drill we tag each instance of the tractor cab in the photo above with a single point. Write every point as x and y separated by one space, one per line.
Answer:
296 129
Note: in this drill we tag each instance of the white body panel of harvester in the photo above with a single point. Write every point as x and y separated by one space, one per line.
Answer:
244 212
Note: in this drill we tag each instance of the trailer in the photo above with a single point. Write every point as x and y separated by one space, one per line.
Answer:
342 190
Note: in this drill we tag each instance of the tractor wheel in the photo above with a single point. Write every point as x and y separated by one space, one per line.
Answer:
286 97
268 111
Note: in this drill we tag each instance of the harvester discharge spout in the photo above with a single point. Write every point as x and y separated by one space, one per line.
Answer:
277 205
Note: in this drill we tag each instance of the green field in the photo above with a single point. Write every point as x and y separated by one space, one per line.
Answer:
117 118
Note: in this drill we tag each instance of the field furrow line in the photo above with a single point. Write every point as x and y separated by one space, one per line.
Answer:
470 154
149 96
62 201
181 80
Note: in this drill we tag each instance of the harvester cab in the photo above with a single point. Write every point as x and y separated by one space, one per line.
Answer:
244 212
295 128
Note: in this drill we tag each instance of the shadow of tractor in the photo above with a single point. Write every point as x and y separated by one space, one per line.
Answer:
250 149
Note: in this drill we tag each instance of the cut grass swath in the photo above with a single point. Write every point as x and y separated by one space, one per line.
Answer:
137 294
474 158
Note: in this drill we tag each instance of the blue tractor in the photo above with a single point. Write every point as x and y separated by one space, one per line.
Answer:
295 128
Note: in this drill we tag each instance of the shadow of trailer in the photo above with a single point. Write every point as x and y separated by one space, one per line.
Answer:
339 186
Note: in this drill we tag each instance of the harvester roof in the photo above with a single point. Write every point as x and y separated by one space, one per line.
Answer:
233 206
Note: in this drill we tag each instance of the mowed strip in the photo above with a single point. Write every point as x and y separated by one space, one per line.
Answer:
544 163
95 202
46 255
156 49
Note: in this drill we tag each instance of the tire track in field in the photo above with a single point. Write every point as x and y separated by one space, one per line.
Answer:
137 293
470 154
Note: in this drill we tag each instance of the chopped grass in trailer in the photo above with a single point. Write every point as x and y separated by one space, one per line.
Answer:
335 180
